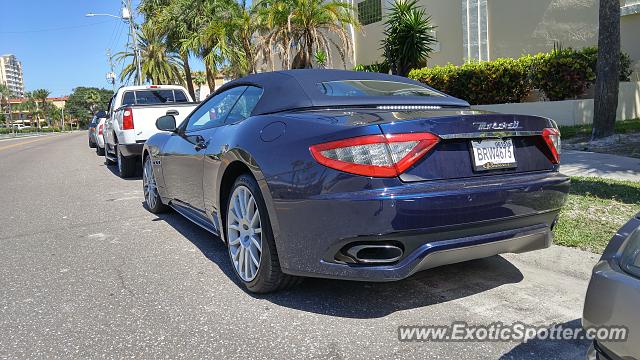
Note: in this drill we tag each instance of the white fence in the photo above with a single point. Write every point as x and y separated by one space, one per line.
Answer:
574 112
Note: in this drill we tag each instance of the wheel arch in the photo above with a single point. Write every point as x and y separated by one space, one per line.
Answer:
240 162
151 150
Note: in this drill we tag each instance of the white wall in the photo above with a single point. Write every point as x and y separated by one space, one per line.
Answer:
574 112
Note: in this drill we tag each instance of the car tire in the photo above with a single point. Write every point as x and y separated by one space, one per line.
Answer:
152 198
91 144
126 166
268 275
99 151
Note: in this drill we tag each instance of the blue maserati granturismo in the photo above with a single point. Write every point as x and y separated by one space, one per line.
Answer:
354 175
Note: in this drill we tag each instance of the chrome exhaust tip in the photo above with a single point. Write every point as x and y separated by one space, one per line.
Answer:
375 254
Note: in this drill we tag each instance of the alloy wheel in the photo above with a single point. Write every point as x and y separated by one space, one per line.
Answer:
149 184
244 232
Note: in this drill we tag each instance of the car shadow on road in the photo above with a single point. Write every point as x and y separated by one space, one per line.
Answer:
354 299
551 349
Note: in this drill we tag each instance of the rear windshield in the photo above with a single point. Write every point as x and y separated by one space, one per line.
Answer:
150 97
373 88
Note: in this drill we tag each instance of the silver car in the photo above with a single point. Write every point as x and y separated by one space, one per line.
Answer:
614 294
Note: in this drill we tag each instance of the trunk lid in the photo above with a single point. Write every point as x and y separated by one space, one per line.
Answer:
453 157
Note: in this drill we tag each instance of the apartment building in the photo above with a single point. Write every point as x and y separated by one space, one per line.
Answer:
11 74
490 29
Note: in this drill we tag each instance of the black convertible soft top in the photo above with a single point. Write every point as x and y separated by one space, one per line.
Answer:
298 89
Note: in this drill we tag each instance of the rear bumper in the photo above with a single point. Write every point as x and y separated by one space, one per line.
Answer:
100 141
435 223
431 255
131 150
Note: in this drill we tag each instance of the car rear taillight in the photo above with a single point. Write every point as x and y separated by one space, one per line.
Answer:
375 155
100 129
127 119
551 137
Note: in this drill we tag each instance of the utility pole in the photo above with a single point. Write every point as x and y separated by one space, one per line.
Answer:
111 75
62 119
127 14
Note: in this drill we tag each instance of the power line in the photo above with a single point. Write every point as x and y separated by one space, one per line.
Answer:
55 29
113 34
116 35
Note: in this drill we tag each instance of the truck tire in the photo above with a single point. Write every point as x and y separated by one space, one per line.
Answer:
126 166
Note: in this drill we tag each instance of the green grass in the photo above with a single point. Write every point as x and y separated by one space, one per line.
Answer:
622 127
596 208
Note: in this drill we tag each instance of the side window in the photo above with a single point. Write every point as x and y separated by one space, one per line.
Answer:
213 112
245 104
179 96
128 98
109 109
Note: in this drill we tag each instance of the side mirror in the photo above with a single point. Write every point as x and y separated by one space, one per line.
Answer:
166 123
101 114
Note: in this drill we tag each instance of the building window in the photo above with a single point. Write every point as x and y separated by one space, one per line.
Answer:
475 26
369 11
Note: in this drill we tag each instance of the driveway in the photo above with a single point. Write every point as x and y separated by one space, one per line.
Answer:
88 272
583 163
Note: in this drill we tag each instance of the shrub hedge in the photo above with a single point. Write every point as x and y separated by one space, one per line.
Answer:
382 67
4 130
492 82
560 75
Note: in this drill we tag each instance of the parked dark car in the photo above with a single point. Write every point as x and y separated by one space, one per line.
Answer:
93 128
354 175
614 294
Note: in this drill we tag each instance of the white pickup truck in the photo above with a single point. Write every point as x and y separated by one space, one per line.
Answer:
133 112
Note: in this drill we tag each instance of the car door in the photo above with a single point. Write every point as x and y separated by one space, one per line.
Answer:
222 141
182 158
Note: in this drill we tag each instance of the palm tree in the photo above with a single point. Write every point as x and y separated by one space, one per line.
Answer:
314 24
30 106
41 95
92 99
5 96
160 14
608 68
275 33
408 37
199 79
159 64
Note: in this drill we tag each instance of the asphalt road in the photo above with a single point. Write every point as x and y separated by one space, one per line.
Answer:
86 271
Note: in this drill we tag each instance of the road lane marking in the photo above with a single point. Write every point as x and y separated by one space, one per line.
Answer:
22 143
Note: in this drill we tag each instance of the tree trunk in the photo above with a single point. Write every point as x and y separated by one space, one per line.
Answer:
608 70
187 74
211 78
249 55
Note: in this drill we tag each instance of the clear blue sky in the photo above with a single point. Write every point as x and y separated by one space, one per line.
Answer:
58 46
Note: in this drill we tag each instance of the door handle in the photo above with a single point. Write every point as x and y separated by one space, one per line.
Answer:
200 145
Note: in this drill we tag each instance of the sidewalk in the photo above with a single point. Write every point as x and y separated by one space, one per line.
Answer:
22 136
582 163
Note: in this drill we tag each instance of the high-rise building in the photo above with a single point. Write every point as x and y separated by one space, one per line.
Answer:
11 74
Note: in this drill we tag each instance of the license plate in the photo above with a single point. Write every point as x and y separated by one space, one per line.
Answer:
492 154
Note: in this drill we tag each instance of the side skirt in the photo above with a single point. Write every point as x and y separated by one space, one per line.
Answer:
194 217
